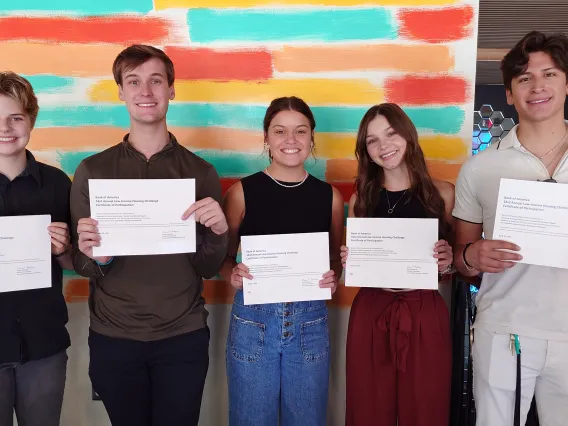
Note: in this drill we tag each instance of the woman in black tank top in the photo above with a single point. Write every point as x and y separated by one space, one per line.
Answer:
278 353
398 342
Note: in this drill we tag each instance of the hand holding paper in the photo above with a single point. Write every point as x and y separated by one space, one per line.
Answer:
142 217
534 216
286 268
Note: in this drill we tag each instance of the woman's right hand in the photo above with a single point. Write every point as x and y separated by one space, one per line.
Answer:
239 271
344 252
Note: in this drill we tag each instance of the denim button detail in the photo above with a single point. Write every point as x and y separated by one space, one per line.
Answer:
287 324
286 314
286 334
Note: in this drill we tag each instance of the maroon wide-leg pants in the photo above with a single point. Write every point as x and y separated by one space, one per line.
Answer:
398 359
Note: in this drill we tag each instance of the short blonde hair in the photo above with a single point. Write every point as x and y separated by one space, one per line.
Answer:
20 89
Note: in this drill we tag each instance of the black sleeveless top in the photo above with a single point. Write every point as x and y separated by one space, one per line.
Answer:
272 209
405 205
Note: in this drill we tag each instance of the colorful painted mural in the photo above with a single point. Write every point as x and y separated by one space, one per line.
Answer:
232 57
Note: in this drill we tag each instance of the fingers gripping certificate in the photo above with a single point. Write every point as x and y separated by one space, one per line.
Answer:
285 268
534 216
391 253
143 216
25 253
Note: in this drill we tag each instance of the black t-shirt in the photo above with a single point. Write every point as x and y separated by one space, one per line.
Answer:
32 322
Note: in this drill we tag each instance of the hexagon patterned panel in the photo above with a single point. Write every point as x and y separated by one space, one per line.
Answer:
489 126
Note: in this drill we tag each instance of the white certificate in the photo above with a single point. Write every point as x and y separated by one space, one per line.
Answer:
392 253
534 216
285 268
143 216
25 252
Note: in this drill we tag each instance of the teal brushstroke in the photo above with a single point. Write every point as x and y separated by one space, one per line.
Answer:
86 7
317 25
45 84
445 120
227 164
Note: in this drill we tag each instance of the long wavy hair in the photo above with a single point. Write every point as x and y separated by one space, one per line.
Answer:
370 176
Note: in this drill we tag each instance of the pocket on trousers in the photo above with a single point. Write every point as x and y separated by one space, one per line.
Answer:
247 339
493 360
314 339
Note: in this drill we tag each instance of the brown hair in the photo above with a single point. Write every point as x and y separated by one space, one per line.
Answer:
516 61
370 176
288 103
136 55
20 89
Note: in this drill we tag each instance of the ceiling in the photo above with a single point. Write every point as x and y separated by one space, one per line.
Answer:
504 22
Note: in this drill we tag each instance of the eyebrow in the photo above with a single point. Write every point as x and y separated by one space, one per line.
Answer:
156 74
281 125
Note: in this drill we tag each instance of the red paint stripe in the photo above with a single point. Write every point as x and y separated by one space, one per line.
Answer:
436 26
226 183
201 63
121 30
426 90
346 188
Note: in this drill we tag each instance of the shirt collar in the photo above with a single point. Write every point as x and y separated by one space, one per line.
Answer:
32 169
170 145
512 140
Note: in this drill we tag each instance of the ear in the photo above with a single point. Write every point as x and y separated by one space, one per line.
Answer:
509 94
172 92
120 94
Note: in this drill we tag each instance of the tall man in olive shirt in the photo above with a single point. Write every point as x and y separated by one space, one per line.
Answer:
148 337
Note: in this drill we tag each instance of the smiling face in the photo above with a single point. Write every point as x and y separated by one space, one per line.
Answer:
384 145
15 127
146 93
540 92
289 138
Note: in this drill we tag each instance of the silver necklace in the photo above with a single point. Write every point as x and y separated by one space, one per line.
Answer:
540 157
391 209
286 186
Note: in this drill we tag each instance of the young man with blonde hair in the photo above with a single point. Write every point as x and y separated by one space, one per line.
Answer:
33 337
149 338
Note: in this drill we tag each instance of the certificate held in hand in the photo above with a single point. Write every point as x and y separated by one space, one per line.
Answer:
285 267
143 216
391 253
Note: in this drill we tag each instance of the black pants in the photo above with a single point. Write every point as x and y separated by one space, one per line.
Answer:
156 383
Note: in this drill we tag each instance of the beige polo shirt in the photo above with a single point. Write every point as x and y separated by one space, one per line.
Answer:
527 300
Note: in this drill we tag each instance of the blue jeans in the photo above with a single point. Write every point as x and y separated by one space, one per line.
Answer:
33 390
278 364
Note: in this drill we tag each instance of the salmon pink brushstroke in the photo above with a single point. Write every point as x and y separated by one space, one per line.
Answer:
411 90
120 29
210 64
435 26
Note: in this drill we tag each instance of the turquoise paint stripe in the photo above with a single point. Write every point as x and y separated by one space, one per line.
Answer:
446 120
227 164
211 25
88 7
51 83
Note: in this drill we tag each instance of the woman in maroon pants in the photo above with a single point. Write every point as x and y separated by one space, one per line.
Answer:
398 342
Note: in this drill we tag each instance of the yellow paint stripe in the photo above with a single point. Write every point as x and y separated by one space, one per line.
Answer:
345 170
313 91
328 145
390 57
166 4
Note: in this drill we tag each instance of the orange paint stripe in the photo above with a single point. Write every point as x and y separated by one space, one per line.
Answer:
215 292
438 25
391 57
345 170
48 58
69 138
